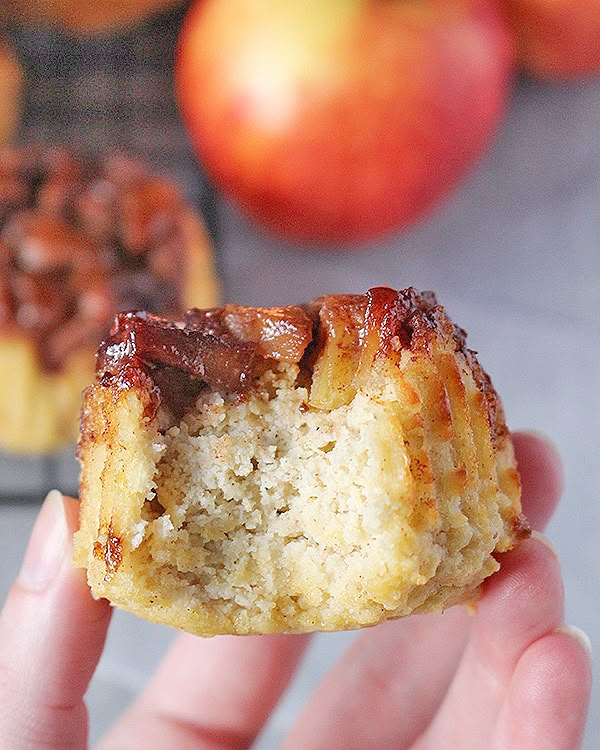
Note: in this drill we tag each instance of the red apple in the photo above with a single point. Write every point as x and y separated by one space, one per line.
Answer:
336 120
556 38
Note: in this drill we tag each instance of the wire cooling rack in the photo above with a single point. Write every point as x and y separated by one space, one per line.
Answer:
99 93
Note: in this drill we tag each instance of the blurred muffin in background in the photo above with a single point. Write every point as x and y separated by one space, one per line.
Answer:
79 240
82 16
11 90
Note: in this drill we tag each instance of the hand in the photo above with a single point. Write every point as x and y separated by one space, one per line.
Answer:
510 677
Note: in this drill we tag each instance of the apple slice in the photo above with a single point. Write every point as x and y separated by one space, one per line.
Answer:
342 324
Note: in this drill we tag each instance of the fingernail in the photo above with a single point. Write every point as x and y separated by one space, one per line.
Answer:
579 635
545 541
47 545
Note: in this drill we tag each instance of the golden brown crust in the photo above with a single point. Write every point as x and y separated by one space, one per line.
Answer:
39 410
429 442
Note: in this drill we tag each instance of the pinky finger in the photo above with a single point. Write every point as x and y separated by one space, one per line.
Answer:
547 701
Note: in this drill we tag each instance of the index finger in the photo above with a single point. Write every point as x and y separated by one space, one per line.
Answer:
51 636
403 668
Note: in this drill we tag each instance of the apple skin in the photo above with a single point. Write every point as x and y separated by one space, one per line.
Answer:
556 38
342 128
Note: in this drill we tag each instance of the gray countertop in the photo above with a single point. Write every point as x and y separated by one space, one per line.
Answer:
515 257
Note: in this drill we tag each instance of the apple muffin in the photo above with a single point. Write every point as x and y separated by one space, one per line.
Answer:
316 467
81 239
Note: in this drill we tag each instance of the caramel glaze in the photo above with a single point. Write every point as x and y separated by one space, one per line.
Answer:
81 239
219 349
111 552
224 349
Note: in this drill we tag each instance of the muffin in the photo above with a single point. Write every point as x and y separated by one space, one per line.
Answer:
316 467
80 240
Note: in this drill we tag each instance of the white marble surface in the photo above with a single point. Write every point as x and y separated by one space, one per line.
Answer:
515 256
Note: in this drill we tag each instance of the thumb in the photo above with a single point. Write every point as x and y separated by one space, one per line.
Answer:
51 636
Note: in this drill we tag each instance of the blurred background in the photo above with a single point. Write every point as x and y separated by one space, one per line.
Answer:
513 253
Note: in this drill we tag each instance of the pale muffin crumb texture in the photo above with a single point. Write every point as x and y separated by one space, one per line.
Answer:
264 513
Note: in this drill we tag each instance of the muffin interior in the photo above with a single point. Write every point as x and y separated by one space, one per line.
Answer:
272 506
357 483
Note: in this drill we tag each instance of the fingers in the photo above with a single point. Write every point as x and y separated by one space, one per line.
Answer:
523 602
548 696
541 476
210 693
385 689
382 694
520 604
51 636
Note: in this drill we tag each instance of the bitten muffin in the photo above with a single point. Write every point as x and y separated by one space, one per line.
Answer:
80 240
317 467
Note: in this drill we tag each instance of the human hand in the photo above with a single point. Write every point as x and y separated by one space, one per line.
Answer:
510 677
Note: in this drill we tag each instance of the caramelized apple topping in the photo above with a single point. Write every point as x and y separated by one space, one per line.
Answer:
280 333
80 240
338 342
341 333
220 362
217 349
